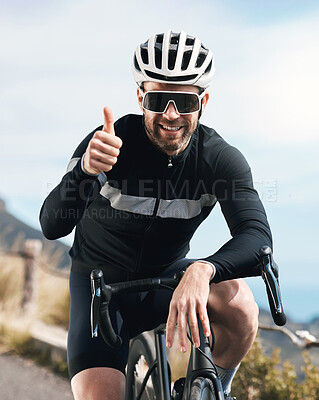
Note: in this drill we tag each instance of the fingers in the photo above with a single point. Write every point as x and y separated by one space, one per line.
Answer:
102 162
192 316
178 318
108 121
101 138
184 313
170 326
193 325
203 316
179 314
182 329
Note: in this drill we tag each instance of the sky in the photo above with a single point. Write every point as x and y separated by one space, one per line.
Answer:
61 62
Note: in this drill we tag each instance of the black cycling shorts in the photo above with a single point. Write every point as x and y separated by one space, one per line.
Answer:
131 314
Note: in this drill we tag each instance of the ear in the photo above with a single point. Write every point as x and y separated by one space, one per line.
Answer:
140 99
205 100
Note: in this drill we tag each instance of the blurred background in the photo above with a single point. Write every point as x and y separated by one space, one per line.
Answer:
63 61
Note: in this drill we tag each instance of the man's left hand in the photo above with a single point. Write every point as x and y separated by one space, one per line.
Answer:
189 299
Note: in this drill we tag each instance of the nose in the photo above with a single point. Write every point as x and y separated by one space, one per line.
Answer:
171 112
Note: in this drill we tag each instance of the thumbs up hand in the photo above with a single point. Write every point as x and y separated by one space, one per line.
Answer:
104 147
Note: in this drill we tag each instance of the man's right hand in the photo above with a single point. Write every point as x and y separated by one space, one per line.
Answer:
104 148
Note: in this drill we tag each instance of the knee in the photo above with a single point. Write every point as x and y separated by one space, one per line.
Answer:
243 314
237 309
83 389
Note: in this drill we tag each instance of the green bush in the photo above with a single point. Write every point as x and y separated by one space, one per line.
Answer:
268 378
310 385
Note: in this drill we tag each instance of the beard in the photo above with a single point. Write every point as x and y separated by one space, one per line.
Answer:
166 142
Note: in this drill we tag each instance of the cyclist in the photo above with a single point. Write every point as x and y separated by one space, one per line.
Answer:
137 190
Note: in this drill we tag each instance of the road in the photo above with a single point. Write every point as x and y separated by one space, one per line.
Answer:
22 379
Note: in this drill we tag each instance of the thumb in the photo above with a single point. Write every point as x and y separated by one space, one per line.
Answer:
108 121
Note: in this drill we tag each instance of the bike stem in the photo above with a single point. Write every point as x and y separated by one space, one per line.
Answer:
199 365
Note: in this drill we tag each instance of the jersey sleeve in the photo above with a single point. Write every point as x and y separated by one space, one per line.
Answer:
65 205
245 217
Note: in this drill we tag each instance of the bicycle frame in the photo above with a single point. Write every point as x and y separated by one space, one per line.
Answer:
161 357
198 365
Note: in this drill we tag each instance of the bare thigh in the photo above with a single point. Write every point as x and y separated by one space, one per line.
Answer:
99 384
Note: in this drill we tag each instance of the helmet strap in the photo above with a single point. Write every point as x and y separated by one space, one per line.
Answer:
201 110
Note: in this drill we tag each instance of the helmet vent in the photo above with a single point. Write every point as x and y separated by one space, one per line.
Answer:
186 59
159 38
209 67
201 58
144 55
158 57
137 67
171 59
175 38
189 41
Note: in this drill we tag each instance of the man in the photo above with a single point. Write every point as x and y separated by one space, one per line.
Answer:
136 191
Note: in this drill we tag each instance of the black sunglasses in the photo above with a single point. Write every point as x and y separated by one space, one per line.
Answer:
184 102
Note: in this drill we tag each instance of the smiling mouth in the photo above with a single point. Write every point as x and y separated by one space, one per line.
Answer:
171 128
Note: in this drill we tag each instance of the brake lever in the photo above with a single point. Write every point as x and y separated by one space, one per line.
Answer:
96 289
270 275
100 317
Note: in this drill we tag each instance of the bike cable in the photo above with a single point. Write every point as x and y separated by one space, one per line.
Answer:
203 354
166 287
148 374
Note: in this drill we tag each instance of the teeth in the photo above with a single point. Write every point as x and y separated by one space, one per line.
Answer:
171 128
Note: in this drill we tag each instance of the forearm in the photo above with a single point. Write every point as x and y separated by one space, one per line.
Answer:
66 204
239 257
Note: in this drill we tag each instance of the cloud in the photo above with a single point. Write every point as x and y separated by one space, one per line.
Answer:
270 12
267 82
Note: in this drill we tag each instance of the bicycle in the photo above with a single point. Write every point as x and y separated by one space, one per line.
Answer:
149 359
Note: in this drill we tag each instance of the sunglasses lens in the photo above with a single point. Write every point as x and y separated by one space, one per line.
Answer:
185 102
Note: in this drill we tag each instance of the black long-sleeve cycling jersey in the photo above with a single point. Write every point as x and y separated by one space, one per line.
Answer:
142 215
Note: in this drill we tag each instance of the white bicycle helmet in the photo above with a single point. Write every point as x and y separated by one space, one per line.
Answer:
173 58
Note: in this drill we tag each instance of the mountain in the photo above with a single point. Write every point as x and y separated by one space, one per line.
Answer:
14 232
